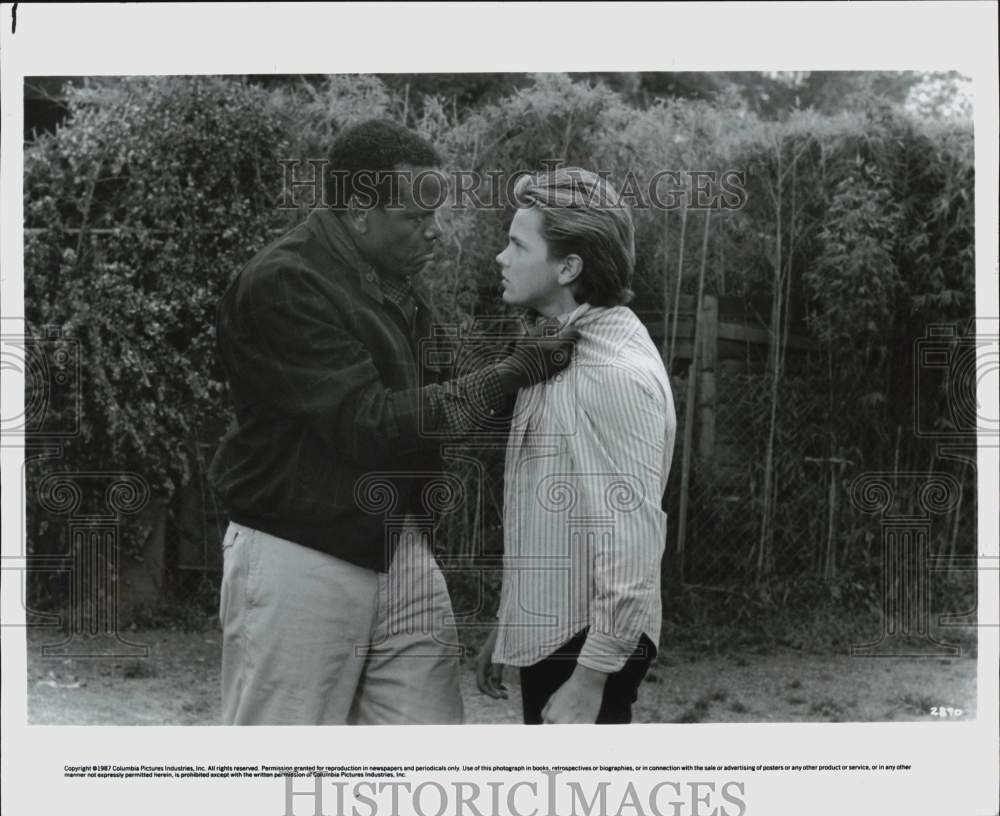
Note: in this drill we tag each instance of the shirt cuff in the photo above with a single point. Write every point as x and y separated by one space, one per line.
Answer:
604 653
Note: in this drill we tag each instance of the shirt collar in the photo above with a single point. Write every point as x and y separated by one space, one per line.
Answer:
328 226
573 315
398 290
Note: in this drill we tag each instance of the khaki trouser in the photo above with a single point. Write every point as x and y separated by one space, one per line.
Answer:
310 639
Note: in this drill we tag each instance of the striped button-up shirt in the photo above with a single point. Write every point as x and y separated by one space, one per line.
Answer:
586 468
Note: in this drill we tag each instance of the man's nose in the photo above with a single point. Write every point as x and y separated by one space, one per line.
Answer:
434 230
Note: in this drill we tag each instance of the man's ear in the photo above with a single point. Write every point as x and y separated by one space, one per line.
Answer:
358 215
569 271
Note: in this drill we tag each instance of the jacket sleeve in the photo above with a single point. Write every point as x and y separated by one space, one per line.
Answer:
289 354
621 465
288 351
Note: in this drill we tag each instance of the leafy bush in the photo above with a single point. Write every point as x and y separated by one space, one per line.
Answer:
146 203
139 210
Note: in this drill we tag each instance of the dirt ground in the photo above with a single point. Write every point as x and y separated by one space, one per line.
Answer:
178 684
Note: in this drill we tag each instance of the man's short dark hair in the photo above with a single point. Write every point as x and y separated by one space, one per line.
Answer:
364 155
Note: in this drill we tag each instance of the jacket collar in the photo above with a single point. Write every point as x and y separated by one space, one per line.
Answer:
329 228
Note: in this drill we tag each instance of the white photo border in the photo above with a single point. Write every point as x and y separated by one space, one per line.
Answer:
954 764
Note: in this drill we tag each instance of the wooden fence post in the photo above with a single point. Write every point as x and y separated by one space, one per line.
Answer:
708 356
689 406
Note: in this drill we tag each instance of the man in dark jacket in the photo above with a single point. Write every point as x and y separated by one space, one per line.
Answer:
333 608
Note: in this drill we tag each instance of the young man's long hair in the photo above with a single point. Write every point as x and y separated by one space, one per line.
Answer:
582 214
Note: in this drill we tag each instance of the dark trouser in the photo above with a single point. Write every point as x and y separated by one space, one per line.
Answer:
540 681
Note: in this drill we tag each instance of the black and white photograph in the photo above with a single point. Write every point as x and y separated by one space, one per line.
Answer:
662 399
771 457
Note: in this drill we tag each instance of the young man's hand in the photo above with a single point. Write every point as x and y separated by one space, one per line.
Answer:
578 700
489 675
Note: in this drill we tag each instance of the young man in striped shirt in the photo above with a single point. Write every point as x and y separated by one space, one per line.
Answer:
586 466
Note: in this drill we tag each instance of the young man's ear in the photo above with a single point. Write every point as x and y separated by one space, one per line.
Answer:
570 269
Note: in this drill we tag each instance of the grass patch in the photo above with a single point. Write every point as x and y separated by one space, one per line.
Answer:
139 669
915 703
700 708
695 713
829 709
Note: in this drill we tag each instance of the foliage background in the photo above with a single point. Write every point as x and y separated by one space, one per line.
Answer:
858 230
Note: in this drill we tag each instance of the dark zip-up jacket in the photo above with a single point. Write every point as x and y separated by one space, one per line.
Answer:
332 404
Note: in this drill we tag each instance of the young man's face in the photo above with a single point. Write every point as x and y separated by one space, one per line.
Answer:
530 278
400 240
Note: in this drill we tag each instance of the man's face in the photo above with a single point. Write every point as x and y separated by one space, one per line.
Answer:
530 278
401 236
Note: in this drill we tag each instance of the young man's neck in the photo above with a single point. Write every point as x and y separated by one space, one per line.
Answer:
558 307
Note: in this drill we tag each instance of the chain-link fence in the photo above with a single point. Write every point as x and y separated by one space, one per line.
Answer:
817 524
